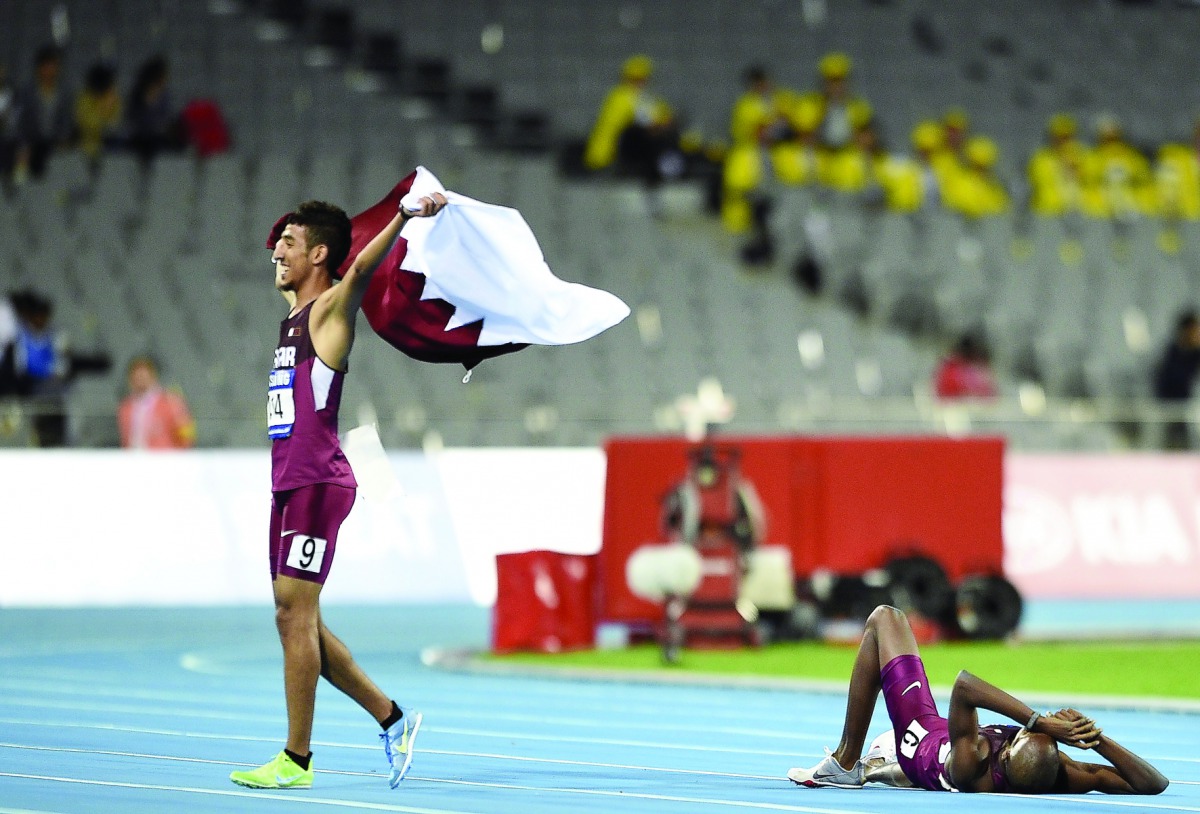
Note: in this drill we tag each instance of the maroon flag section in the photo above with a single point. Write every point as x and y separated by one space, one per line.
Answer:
393 304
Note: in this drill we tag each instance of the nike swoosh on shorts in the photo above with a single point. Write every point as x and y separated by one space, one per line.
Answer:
910 686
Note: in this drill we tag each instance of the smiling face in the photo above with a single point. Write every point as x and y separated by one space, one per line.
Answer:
295 261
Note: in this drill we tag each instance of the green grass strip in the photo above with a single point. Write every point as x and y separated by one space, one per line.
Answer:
1167 669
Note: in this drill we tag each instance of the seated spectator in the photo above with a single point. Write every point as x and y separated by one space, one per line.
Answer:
966 372
1177 179
935 164
33 368
98 113
761 112
635 129
1175 376
839 112
1056 170
752 168
152 122
151 417
44 117
795 158
746 181
1117 179
853 168
975 191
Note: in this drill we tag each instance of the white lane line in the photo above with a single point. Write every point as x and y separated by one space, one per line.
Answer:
445 730
670 798
291 796
1121 801
179 700
288 796
26 811
1089 800
483 755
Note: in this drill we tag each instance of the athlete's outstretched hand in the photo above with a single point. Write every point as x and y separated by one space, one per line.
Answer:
1070 727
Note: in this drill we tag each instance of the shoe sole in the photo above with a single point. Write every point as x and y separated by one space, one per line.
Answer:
814 783
397 776
246 785
824 784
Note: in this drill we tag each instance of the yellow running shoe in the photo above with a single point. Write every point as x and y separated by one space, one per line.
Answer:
281 772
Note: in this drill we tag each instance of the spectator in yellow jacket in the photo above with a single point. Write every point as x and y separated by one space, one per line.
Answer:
1117 178
1177 179
762 105
976 191
1056 170
839 111
795 159
751 167
633 125
920 182
746 176
97 113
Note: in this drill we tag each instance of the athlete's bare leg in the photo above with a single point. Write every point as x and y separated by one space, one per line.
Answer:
339 669
889 774
298 617
886 636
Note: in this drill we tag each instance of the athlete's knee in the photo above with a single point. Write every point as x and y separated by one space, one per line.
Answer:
885 616
295 618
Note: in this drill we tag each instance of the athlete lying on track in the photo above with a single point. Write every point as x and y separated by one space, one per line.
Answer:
956 753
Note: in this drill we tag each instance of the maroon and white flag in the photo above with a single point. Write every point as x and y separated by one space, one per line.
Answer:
469 283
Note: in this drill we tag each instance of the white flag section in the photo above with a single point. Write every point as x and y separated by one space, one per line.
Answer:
485 259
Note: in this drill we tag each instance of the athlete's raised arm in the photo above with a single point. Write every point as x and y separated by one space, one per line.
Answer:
335 311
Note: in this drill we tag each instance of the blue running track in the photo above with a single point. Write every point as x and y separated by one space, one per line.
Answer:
148 710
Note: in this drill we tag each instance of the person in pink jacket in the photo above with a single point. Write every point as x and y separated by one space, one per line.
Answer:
151 417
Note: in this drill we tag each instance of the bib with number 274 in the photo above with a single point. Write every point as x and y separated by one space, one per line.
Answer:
281 405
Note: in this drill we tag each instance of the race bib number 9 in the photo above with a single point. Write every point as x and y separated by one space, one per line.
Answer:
307 553
281 406
912 739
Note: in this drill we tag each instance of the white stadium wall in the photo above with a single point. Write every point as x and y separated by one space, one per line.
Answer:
116 528
122 528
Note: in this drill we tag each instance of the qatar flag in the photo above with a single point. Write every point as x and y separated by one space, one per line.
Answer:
469 283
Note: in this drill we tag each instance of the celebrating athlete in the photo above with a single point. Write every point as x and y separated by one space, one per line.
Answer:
312 484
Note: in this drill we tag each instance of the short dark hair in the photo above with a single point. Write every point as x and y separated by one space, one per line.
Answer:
328 225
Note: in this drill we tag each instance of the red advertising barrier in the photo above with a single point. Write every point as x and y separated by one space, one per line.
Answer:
1099 526
544 601
843 504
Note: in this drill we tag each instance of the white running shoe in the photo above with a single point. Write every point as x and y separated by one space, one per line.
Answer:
828 773
398 745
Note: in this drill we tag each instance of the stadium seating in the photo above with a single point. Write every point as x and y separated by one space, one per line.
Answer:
171 261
